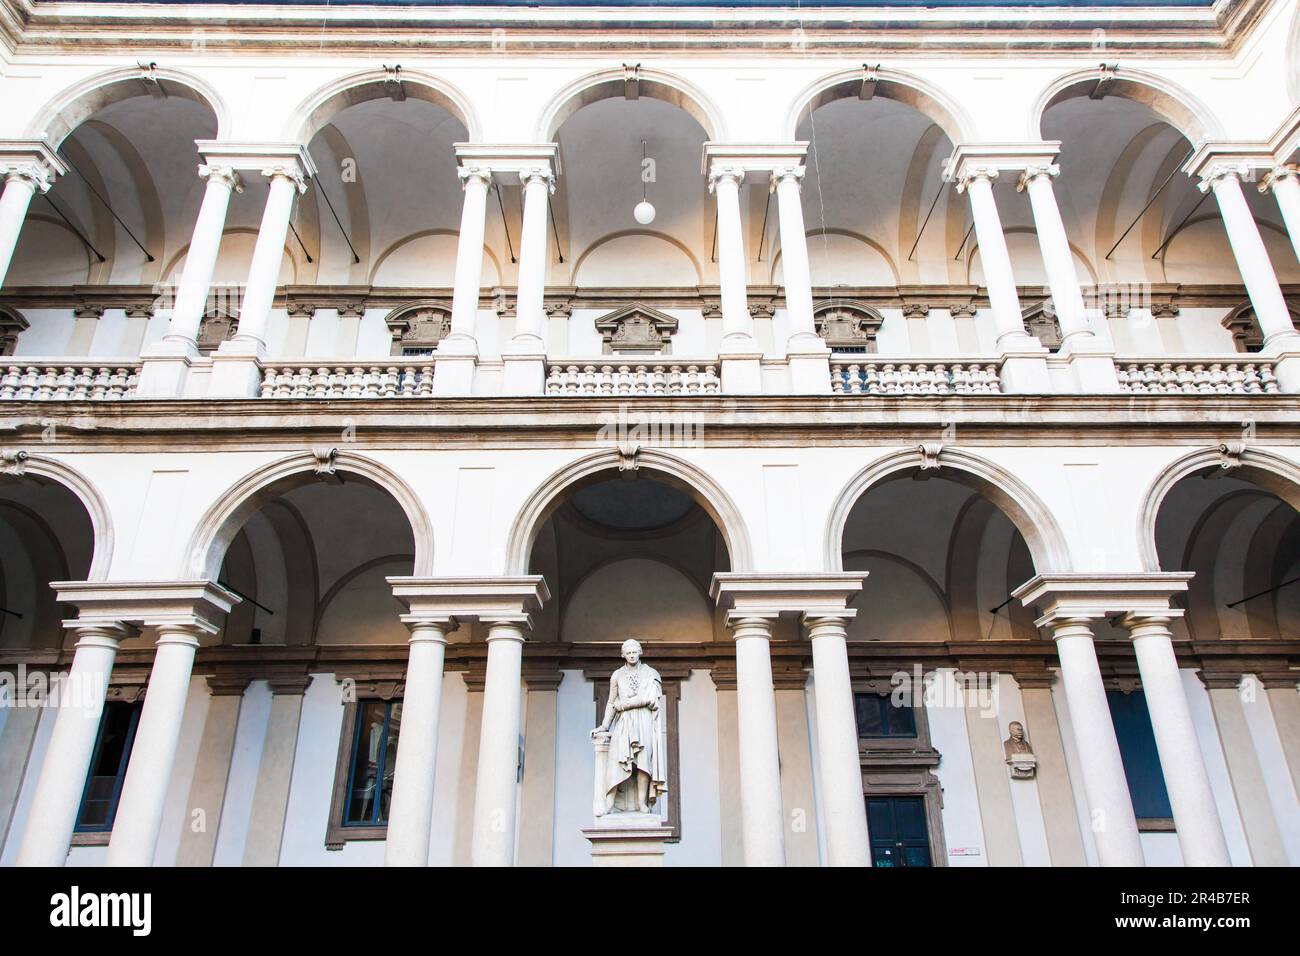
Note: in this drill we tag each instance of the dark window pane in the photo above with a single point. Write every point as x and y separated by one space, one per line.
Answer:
879 717
108 766
374 762
1137 748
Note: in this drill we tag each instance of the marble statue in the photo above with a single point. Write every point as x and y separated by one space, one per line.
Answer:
1020 756
633 773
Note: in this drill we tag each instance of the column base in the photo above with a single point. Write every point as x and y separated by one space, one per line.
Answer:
1092 365
453 375
1024 368
628 839
1285 347
163 376
524 374
237 370
742 373
810 370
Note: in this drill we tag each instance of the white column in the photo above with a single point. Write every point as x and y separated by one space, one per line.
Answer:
1252 258
144 792
794 258
530 314
1058 260
410 815
21 183
1008 324
57 801
201 259
762 819
843 804
469 261
268 254
1196 817
737 324
1284 182
498 748
1110 810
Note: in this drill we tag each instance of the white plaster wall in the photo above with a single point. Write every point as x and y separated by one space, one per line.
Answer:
1216 767
963 829
245 759
701 799
575 769
1272 761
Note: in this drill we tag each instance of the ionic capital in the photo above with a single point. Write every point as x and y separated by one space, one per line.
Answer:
293 173
1279 174
36 175
226 175
480 174
975 174
786 174
1220 172
538 174
1030 173
729 174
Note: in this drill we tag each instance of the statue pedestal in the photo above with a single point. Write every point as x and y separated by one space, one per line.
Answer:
627 839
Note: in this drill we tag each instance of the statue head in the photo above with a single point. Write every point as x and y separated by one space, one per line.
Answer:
1016 729
631 651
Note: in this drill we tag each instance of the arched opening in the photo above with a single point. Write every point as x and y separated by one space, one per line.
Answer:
124 211
46 534
1238 530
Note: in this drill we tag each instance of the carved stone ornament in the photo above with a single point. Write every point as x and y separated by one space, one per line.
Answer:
12 324
637 329
418 328
326 458
1019 754
215 328
930 452
1041 322
13 462
1230 453
848 327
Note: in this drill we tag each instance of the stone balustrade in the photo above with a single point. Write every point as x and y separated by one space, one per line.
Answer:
394 378
33 379
891 376
1244 375
654 377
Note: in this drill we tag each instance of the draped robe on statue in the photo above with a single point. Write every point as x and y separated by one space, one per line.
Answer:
636 738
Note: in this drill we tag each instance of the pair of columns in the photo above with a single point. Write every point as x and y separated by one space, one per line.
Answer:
1071 603
236 368
753 602
437 606
182 613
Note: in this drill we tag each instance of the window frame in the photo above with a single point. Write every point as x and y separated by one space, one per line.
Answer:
1162 824
338 832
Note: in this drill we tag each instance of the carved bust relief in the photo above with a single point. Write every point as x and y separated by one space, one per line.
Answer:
635 330
1041 322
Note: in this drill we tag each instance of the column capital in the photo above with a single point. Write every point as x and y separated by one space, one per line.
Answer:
724 173
1047 171
1216 173
971 161
786 174
33 160
533 174
509 163
199 606
748 624
1064 597
288 160
481 174
809 594
490 600
226 175
93 632
1278 174
429 627
1151 621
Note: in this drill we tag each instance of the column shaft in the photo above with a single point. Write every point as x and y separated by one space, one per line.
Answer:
1285 183
144 793
998 277
410 816
1252 258
498 749
1058 260
737 324
1200 834
762 818
794 256
843 804
530 311
201 259
268 254
19 189
1110 810
469 261
62 781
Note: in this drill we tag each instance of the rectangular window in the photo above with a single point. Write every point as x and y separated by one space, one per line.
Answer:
1137 748
373 763
108 767
878 716
899 835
